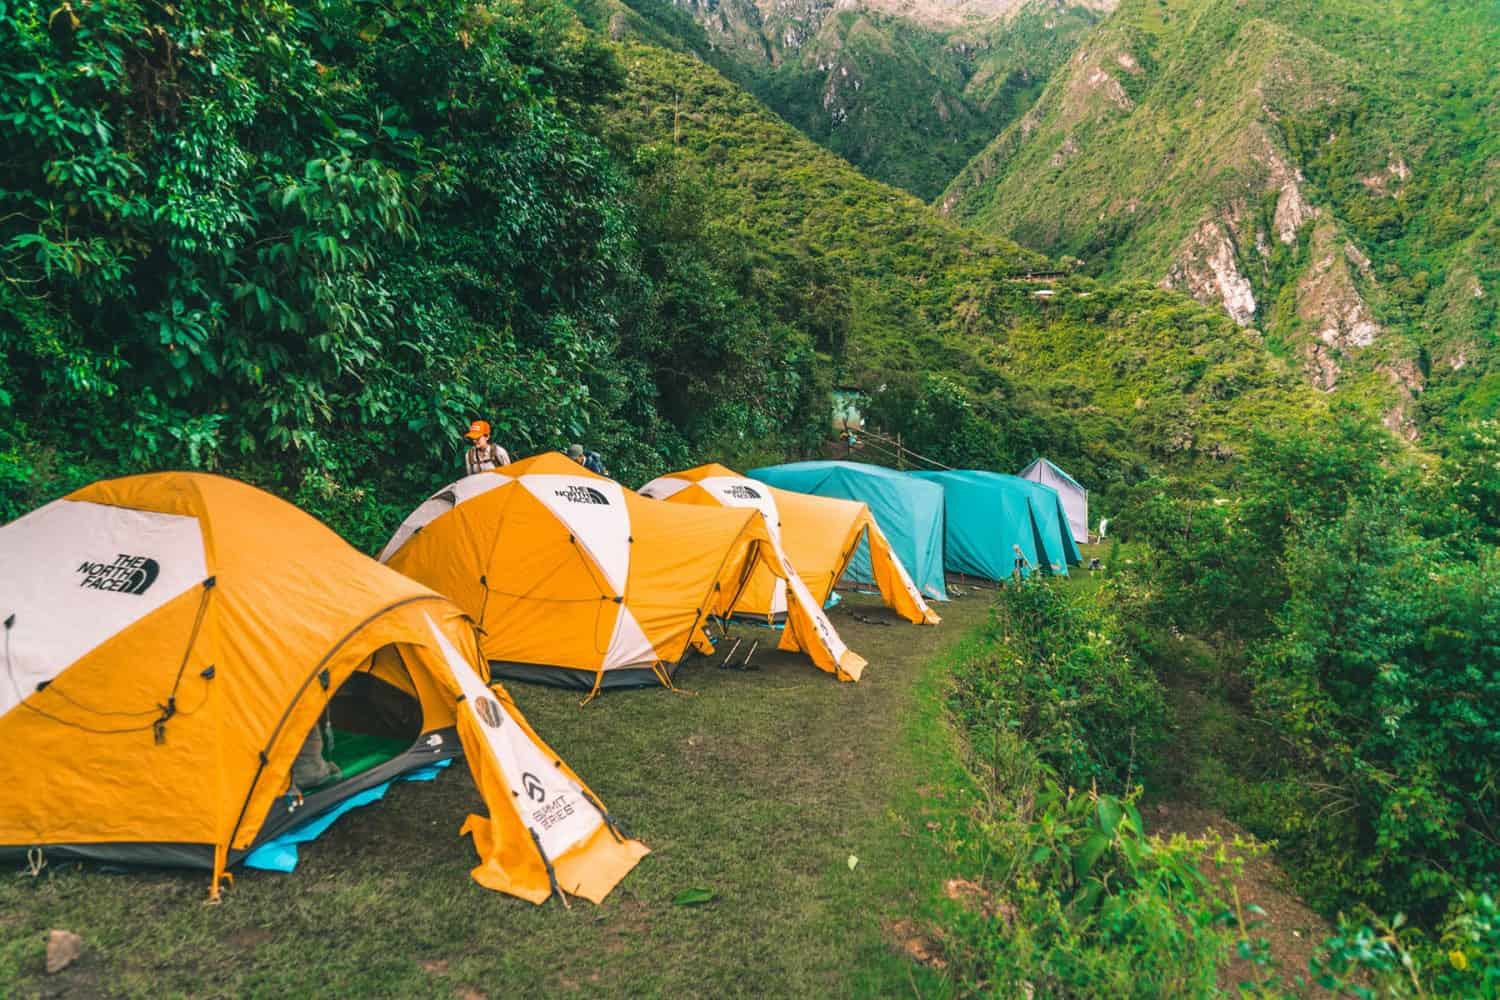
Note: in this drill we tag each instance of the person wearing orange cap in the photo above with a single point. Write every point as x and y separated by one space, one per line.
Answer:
485 454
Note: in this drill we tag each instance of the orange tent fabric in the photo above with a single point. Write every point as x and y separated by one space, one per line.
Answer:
172 639
815 538
820 536
574 580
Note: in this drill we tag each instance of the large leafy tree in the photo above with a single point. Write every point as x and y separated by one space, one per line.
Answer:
306 242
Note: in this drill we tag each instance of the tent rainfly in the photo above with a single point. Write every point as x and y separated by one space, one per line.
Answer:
989 516
172 640
907 511
823 533
1075 499
574 580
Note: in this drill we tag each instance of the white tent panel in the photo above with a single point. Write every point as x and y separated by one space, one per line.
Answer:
1075 499
75 573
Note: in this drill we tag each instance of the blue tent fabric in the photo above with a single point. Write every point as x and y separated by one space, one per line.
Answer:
279 854
988 515
909 511
1052 519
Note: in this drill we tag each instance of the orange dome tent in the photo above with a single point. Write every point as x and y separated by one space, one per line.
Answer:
575 580
808 628
171 641
817 536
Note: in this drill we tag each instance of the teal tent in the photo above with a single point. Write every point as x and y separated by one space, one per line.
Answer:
989 515
909 511
1052 516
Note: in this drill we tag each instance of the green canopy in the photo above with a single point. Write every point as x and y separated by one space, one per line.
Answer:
988 516
909 511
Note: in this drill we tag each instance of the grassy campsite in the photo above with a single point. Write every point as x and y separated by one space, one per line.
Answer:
489 506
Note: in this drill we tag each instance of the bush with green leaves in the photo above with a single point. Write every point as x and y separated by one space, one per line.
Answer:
315 240
1394 959
1055 715
1059 673
1364 591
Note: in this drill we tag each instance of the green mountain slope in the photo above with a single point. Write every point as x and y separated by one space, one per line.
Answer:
1323 171
1108 376
906 91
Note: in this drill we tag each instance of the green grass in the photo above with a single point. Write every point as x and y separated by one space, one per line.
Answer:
758 786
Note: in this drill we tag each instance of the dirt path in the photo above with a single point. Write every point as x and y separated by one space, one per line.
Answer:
759 786
1210 722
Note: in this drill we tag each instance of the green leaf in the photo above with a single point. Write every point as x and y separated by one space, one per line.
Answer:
694 897
1090 853
1109 813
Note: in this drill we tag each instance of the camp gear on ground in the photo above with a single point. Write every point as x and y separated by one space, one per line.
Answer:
909 513
993 521
170 641
573 579
1075 499
816 536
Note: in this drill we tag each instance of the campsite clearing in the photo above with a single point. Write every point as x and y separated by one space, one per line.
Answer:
757 786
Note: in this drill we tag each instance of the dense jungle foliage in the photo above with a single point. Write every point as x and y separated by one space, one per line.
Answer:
308 243
1062 890
1352 594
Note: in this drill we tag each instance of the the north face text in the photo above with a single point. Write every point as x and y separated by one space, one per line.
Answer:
126 575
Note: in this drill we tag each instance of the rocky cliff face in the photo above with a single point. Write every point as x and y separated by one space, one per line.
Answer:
1258 155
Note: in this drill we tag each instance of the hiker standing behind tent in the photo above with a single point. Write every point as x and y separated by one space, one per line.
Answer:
588 459
485 454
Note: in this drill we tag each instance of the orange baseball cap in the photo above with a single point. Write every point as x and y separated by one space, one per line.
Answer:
478 429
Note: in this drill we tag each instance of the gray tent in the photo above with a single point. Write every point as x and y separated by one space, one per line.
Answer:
1075 499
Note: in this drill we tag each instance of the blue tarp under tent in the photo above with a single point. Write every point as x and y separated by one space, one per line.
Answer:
989 515
908 510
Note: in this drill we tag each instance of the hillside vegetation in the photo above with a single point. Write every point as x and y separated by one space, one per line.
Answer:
966 361
307 244
1324 172
907 92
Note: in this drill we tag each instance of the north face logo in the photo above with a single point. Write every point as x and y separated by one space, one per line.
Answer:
583 494
126 575
742 492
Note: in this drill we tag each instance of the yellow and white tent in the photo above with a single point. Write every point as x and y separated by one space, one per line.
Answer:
170 642
573 579
817 536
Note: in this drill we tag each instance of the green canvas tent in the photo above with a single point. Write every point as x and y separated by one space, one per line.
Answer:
988 515
909 511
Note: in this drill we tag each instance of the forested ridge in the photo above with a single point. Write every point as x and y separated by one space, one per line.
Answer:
305 244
